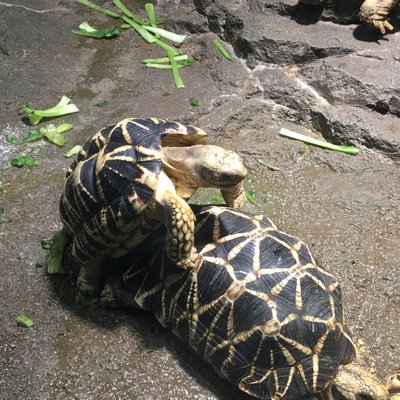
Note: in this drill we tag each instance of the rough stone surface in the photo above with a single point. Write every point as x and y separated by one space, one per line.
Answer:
291 68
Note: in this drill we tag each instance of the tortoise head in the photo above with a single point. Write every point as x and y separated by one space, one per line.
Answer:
207 165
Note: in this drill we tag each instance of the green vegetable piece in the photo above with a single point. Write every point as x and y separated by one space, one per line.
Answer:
10 138
47 244
326 145
103 10
54 263
183 64
62 108
2 186
25 321
39 264
222 49
24 161
148 37
149 8
1 214
251 196
103 103
217 197
128 13
86 30
195 102
161 60
75 150
268 165
173 37
175 71
32 135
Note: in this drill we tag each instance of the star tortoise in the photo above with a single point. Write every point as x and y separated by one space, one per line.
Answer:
134 176
257 308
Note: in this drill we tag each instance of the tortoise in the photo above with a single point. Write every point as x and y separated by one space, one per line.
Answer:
134 176
257 307
373 12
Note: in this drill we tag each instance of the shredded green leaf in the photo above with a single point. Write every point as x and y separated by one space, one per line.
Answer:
268 165
168 66
103 10
47 244
62 108
86 30
251 196
25 321
75 150
39 264
101 104
2 186
195 102
217 198
222 49
24 161
50 132
326 145
54 263
10 138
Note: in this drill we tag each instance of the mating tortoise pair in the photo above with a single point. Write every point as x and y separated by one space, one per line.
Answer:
255 304
373 12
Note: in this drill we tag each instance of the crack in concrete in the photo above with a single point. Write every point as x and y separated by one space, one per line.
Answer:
31 9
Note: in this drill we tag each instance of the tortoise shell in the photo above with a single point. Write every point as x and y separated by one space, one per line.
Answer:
114 177
258 308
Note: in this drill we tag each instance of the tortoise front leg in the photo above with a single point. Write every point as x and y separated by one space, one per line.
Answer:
88 281
234 197
376 13
180 222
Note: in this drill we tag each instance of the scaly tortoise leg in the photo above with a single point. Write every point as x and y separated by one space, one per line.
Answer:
180 222
234 197
376 12
393 385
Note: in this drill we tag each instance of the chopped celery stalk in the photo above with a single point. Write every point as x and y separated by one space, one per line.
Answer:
86 30
54 263
326 145
173 37
149 8
146 35
74 151
62 108
222 49
166 59
89 4
128 13
175 71
165 66
87 27
268 165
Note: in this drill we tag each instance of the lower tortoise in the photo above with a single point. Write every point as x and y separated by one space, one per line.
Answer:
373 12
134 176
257 308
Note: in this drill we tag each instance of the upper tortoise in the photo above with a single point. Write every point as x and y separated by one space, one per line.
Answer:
373 12
257 308
134 176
